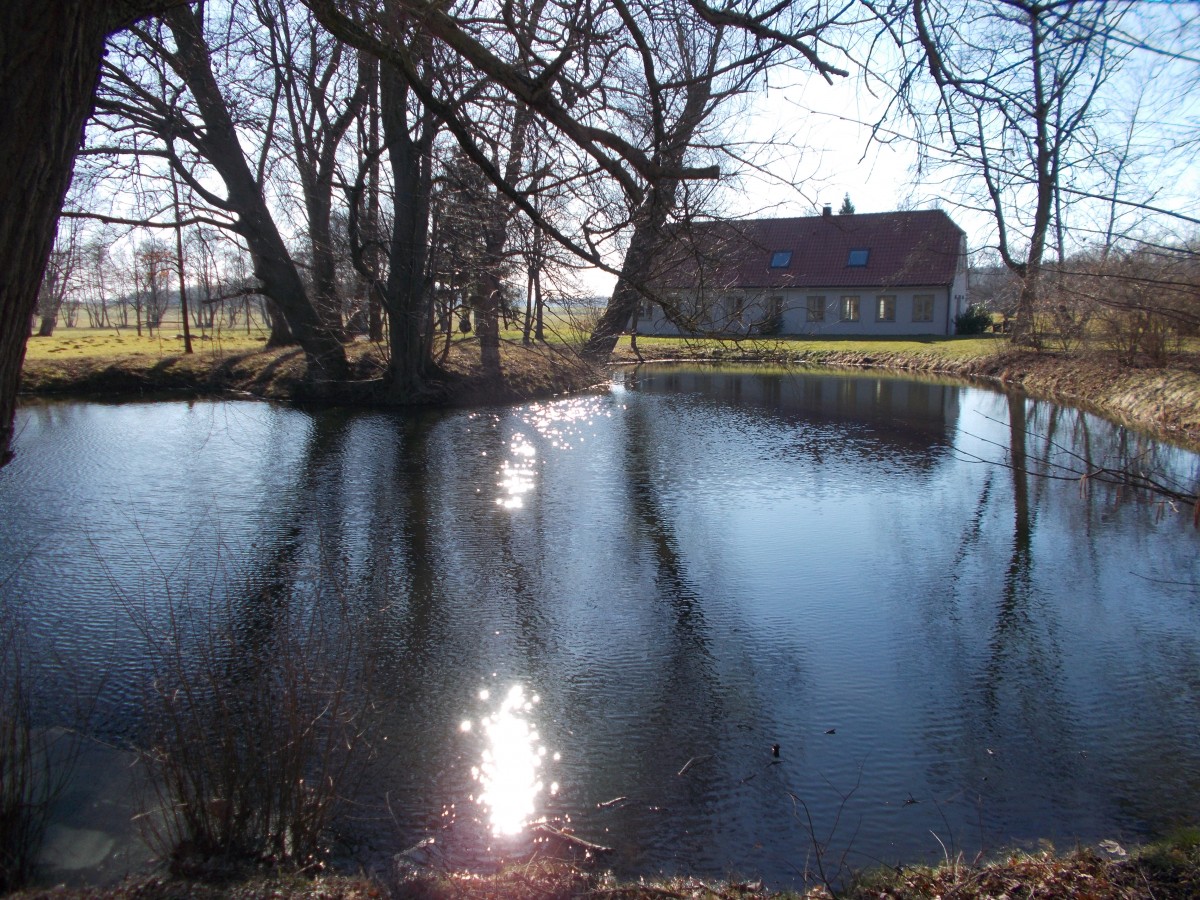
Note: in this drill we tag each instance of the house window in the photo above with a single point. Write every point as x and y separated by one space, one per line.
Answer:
858 258
735 304
781 259
850 309
923 308
816 309
646 308
775 307
885 308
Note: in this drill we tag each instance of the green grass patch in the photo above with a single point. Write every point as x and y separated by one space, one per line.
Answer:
957 349
80 343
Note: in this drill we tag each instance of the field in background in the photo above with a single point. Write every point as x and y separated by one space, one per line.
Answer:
167 341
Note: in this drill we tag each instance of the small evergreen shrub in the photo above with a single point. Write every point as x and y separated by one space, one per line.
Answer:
976 320
772 325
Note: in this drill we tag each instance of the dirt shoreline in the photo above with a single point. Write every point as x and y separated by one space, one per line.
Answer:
1162 401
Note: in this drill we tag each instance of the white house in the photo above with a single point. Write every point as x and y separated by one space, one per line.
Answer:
894 273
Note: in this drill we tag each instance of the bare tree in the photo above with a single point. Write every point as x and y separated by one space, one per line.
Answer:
152 271
95 277
60 278
621 88
164 86
323 90
1015 87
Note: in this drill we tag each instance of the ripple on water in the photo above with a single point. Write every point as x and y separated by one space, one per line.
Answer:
695 572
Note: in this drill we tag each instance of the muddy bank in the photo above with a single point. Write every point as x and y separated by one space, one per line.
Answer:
1169 870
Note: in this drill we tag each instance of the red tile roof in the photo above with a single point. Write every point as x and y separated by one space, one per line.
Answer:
915 248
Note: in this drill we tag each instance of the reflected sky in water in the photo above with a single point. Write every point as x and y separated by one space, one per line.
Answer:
898 582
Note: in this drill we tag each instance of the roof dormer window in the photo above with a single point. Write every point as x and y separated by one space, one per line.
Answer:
781 259
857 258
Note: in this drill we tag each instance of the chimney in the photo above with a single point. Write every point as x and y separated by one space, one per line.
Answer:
827 210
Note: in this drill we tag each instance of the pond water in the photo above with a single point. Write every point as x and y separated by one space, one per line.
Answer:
614 610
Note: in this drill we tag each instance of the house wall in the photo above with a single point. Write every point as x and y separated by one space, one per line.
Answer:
960 290
946 301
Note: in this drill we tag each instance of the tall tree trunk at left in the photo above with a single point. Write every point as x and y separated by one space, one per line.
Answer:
50 53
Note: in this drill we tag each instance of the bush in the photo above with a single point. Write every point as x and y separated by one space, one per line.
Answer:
771 325
976 320
255 731
35 763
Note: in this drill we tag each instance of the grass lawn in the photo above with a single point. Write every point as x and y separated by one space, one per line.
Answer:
947 348
67 343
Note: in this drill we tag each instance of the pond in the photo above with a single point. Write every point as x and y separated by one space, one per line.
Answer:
722 621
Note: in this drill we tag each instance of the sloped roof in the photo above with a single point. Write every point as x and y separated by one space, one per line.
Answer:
913 248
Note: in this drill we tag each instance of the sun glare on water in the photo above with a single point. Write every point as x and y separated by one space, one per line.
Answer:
517 475
510 772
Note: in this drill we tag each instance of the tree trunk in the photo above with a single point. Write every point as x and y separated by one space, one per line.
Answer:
539 306
370 77
527 326
324 266
635 271
281 335
50 53
486 304
49 64
183 299
405 292
648 221
273 265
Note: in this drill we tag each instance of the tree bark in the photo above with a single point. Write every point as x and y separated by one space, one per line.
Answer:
635 269
50 53
650 218
486 305
404 294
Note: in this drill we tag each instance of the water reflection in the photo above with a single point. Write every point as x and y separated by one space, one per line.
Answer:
510 771
895 421
517 473
565 423
901 585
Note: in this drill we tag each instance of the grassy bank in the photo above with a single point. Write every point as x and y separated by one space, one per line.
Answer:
1169 870
85 363
1164 400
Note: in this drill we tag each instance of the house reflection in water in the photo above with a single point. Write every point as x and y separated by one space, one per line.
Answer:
910 421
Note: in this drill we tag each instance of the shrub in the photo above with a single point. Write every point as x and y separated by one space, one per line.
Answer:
35 763
256 729
771 325
976 320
